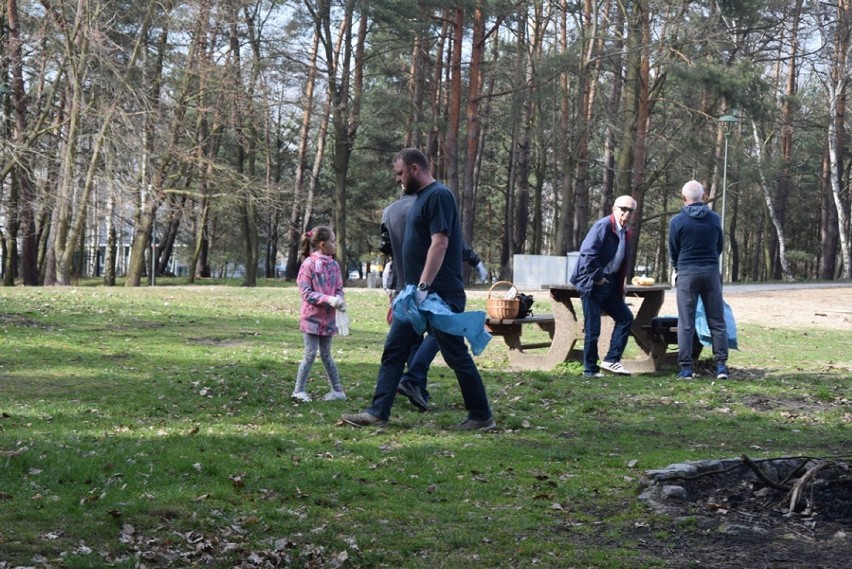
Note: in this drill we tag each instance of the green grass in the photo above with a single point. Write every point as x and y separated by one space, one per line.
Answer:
154 426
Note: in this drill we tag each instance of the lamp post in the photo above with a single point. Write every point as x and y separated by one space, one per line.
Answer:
727 121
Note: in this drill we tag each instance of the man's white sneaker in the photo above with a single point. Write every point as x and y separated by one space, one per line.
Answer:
301 396
614 367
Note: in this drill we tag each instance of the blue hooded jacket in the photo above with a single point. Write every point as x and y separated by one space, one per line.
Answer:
696 240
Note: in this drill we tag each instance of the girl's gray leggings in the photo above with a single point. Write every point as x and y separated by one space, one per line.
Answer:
312 343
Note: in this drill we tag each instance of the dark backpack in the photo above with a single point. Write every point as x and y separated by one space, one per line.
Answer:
525 305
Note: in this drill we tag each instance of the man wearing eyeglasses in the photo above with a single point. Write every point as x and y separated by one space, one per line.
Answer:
599 277
696 240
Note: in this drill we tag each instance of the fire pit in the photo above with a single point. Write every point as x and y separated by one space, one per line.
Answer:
816 488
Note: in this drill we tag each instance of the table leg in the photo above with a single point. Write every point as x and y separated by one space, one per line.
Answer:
648 310
650 359
567 330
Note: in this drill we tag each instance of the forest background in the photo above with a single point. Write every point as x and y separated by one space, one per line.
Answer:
218 131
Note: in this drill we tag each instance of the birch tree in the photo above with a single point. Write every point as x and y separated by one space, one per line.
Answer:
758 150
836 87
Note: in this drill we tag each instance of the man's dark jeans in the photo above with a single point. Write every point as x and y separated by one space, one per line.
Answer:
605 298
455 352
419 363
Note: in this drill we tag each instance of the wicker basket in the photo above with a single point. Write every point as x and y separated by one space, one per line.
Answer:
502 308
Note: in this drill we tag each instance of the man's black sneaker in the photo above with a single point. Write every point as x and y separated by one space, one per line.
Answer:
414 395
477 425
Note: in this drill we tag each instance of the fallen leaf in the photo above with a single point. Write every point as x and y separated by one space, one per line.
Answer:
237 480
89 499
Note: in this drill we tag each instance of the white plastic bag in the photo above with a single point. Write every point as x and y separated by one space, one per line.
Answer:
342 323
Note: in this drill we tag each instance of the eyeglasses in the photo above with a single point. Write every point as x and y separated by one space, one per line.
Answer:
625 209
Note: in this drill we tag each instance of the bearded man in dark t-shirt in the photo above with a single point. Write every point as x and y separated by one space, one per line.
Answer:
432 252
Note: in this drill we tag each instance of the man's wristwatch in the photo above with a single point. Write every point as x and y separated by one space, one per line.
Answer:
423 286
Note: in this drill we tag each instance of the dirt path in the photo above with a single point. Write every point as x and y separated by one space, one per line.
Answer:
786 306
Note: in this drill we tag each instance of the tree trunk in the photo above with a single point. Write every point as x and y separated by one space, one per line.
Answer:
206 148
633 63
732 239
244 133
454 121
837 84
643 118
776 223
613 104
169 235
564 219
835 125
340 90
152 186
433 141
783 184
417 79
518 187
829 235
198 264
468 197
322 135
584 102
297 209
109 253
20 210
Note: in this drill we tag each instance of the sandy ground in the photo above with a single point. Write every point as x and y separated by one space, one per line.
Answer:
786 306
778 305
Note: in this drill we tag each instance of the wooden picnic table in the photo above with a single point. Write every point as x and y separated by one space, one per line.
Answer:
568 330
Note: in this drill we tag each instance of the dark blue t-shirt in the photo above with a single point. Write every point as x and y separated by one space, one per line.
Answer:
434 211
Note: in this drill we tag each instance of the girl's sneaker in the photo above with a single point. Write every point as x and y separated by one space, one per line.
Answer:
301 396
334 396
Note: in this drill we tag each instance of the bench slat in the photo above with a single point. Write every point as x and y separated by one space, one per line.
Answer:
539 319
535 346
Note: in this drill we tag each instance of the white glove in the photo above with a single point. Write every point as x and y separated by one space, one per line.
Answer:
420 296
337 303
483 272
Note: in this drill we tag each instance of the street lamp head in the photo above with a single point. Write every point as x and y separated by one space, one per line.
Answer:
727 122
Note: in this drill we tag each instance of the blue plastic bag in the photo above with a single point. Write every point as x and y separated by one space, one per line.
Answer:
434 312
703 329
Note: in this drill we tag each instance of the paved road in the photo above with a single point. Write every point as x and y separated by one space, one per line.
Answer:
777 285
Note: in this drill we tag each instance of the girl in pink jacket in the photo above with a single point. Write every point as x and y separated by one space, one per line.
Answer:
321 286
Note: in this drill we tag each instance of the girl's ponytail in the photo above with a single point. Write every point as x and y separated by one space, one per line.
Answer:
311 239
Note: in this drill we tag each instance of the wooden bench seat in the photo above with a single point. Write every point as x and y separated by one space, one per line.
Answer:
511 329
662 333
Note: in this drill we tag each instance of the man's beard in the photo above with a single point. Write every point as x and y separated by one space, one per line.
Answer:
409 189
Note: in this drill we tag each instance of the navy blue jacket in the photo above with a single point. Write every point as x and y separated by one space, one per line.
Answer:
695 240
598 249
